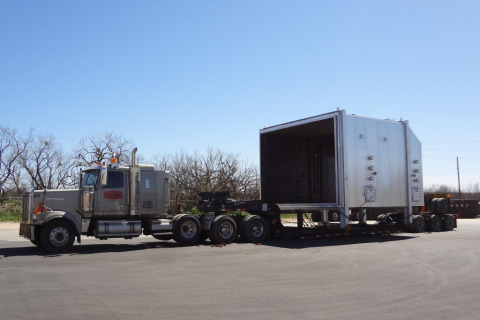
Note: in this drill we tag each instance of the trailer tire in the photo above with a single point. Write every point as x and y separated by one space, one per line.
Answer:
434 224
253 229
418 224
57 236
186 230
433 205
441 206
223 230
448 223
333 215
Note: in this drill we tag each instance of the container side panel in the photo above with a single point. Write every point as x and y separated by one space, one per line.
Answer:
376 169
416 174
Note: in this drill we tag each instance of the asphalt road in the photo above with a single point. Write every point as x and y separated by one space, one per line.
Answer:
403 276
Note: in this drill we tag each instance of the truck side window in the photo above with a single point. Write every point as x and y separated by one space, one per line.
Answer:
90 178
115 179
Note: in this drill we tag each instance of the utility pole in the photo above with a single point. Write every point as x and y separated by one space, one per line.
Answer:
458 175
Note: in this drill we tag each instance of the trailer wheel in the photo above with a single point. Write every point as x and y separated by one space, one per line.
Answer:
253 229
448 223
57 236
418 224
223 230
333 215
186 230
434 223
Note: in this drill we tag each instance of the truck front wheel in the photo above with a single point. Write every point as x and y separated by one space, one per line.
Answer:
57 236
186 229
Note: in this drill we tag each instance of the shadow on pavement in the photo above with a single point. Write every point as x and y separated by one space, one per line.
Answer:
302 243
79 249
330 241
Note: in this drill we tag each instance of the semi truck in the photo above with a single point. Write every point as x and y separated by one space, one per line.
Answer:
326 170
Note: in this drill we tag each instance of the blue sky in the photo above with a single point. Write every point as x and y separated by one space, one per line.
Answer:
189 75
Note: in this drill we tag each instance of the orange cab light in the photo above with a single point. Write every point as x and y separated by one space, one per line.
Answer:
40 208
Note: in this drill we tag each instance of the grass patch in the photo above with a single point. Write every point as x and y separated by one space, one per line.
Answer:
10 209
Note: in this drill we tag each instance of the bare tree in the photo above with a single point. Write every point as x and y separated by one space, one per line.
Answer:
11 147
97 149
213 171
45 163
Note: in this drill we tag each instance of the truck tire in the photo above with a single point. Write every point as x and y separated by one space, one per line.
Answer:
441 206
223 230
433 205
186 230
448 223
164 237
253 229
434 224
38 237
418 224
57 236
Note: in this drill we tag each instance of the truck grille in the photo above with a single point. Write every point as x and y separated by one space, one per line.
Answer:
26 204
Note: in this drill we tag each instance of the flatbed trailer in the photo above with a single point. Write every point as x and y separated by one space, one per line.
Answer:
270 224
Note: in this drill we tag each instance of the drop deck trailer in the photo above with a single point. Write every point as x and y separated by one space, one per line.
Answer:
326 169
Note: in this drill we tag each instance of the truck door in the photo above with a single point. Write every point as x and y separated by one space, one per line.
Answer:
111 197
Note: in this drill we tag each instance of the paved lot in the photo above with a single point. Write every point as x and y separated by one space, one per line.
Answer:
403 276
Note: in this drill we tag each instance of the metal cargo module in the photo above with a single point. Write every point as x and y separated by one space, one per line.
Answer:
341 162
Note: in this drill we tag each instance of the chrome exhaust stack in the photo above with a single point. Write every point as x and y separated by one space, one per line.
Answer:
134 176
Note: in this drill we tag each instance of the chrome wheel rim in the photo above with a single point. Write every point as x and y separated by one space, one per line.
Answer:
189 229
59 236
225 230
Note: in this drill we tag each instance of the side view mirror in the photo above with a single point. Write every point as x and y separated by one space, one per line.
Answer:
104 178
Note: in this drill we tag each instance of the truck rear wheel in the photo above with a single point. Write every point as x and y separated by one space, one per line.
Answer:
57 236
418 224
434 223
223 230
186 229
448 223
253 229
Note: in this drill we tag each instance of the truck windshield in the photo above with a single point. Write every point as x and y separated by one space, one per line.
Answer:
90 178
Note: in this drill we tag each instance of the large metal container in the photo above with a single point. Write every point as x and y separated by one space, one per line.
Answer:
468 209
340 161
